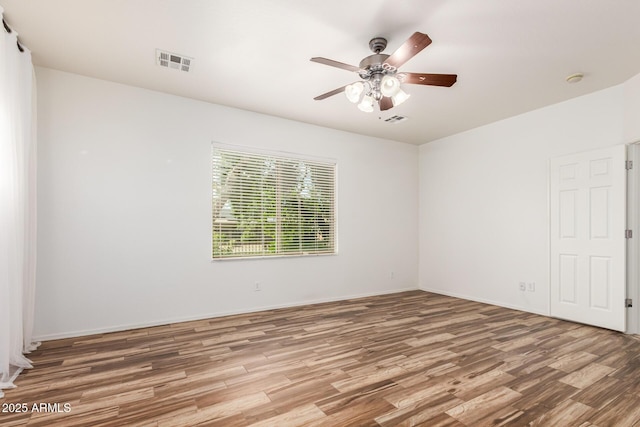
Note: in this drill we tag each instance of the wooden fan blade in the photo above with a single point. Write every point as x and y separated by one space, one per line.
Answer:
330 93
429 79
336 64
385 103
409 49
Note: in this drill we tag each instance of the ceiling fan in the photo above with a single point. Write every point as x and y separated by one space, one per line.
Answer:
380 79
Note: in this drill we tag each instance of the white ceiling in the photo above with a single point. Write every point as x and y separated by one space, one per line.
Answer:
510 56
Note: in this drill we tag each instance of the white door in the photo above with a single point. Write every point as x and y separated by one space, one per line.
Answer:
588 244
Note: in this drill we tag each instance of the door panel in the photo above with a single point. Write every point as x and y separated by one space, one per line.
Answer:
568 279
588 245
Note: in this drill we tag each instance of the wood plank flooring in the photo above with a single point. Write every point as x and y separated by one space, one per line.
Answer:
412 358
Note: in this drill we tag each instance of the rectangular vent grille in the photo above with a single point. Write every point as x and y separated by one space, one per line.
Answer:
173 60
396 119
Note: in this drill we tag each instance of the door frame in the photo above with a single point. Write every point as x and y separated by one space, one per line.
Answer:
633 244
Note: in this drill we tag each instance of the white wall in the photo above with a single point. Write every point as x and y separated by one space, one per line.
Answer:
484 199
632 109
125 211
124 206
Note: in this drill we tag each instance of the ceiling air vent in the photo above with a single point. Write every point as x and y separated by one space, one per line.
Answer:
173 60
396 119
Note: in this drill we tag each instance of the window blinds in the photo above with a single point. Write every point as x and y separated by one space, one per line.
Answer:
266 205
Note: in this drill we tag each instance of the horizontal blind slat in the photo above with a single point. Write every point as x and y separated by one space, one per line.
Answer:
271 205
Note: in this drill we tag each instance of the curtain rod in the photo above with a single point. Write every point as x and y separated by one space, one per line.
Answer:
7 28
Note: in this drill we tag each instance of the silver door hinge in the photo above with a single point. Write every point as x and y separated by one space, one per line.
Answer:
628 234
628 302
628 164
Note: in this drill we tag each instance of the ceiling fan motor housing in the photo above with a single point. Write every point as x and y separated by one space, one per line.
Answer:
374 65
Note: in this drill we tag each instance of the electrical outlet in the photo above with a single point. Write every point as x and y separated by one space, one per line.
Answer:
257 287
531 286
523 286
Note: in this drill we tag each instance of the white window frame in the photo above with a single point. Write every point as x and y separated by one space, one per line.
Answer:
290 184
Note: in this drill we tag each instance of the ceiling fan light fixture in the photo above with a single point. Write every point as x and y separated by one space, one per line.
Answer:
353 91
399 97
390 85
367 104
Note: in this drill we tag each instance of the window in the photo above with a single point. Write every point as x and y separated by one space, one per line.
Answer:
269 205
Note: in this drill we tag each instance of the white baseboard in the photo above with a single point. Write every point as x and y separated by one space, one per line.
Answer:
126 327
486 301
